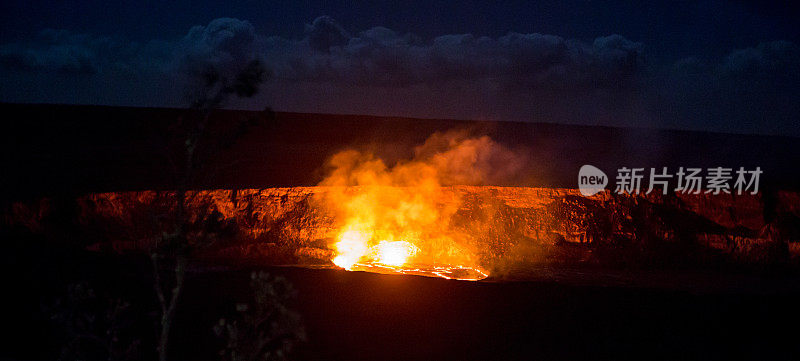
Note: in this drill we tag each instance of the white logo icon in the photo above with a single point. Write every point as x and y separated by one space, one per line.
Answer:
591 180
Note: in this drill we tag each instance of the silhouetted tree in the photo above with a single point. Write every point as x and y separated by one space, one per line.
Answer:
95 326
264 329
170 257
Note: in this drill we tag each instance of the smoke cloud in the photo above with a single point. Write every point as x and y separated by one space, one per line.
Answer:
374 204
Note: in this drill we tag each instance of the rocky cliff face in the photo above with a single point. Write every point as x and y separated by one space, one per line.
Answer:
506 224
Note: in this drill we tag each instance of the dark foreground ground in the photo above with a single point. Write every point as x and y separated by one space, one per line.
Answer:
352 315
361 316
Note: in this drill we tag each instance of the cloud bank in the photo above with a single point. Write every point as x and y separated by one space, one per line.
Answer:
530 77
382 57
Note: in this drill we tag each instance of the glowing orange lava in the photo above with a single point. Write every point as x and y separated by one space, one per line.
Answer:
395 253
397 219
353 247
393 257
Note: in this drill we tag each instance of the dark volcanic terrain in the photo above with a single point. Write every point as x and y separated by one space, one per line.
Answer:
604 277
51 149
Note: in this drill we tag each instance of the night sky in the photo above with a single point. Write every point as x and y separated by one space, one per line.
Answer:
730 66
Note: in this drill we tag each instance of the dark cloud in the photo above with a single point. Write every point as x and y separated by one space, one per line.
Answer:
516 76
324 33
754 89
374 57
212 58
383 57
773 60
226 44
57 51
769 60
113 69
